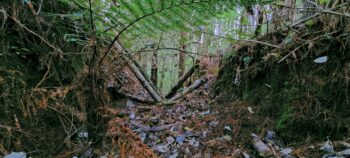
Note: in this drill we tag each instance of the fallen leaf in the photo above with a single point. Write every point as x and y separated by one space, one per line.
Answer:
227 138
250 109
188 129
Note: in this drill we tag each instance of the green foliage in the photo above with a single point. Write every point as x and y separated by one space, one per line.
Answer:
323 1
286 116
310 22
154 16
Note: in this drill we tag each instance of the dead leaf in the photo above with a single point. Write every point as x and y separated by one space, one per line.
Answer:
250 109
60 92
42 103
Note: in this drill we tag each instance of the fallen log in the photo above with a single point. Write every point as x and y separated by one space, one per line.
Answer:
142 79
181 81
193 87
137 72
146 77
117 92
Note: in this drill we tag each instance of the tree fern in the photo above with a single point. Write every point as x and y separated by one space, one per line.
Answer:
149 17
153 16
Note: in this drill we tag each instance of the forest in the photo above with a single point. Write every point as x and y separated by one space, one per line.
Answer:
174 78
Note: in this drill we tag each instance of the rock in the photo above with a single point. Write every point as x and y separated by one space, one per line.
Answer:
262 149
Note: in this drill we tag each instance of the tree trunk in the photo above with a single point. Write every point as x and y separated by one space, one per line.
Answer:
260 21
182 56
154 70
145 75
140 75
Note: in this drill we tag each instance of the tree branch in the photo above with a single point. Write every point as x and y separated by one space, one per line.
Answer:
181 81
193 87
244 40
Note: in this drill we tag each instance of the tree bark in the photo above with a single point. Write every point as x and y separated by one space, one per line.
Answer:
181 81
154 70
145 75
193 87
142 79
289 10
182 54
259 22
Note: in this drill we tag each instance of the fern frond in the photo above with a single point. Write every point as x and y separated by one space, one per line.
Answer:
153 16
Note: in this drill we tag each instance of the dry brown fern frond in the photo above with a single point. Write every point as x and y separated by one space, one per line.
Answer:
128 143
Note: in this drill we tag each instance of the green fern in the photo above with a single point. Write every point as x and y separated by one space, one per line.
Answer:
154 16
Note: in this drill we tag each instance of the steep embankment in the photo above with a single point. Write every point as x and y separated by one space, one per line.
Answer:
301 89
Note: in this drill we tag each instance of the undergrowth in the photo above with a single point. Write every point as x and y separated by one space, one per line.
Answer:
44 82
303 98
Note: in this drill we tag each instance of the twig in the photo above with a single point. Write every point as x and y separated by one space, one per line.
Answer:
315 15
32 32
320 9
39 10
285 57
44 78
143 128
13 128
314 39
175 49
244 40
31 7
